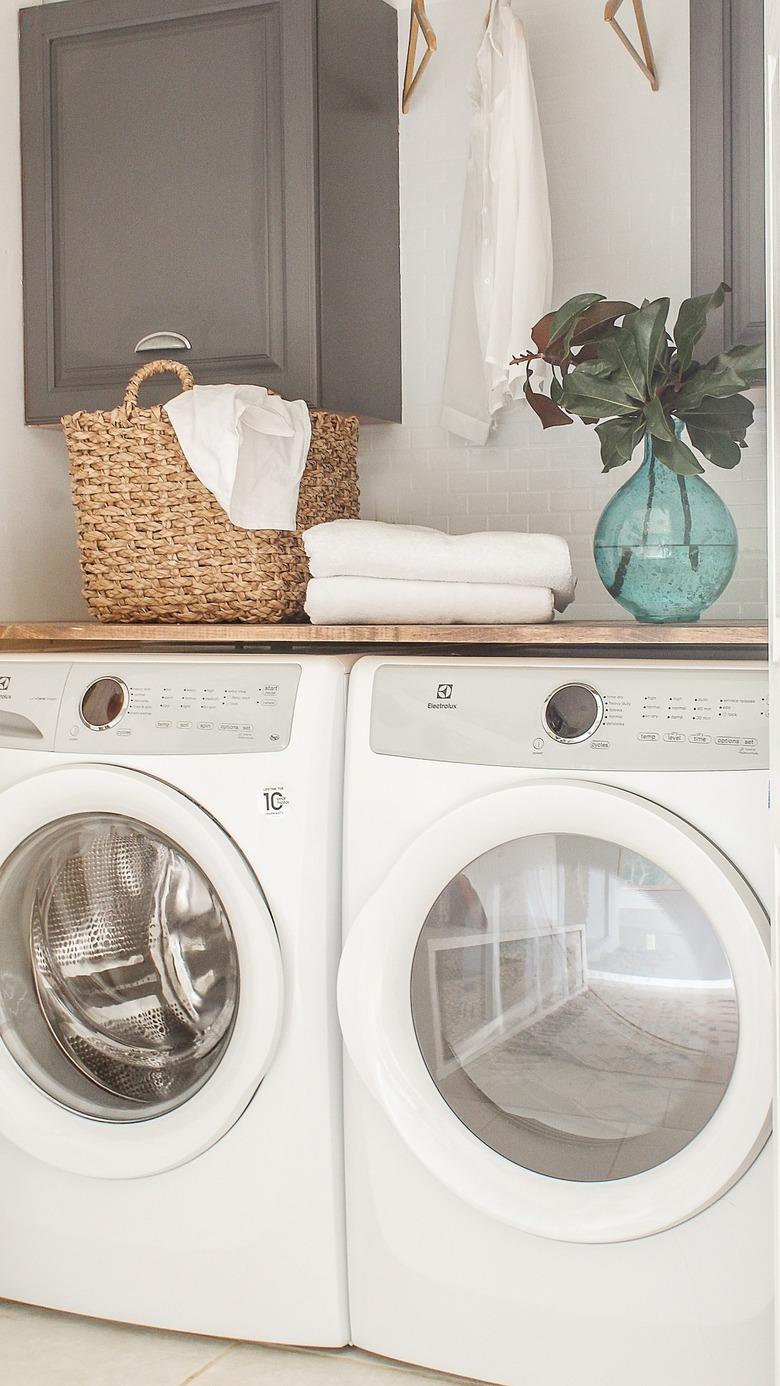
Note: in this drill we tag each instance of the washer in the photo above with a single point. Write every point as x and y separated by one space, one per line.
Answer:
170 1100
556 998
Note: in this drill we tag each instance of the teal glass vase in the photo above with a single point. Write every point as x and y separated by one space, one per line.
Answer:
666 545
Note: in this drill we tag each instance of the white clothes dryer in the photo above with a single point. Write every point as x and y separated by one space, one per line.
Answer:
170 1092
556 998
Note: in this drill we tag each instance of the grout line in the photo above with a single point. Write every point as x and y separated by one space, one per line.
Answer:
353 1359
350 1358
208 1365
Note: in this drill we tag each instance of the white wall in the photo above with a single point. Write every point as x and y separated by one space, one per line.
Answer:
618 167
39 575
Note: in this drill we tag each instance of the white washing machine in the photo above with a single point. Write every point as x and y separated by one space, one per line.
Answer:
170 1098
556 998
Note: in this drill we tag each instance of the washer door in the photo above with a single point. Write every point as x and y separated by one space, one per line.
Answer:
562 997
140 973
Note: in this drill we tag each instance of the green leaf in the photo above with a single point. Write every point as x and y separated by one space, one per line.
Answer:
569 314
648 328
556 389
594 366
621 351
668 448
718 448
591 351
545 409
676 456
591 394
749 362
734 413
716 380
659 423
619 439
598 316
663 368
718 428
692 320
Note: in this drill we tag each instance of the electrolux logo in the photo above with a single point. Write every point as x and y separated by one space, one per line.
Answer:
444 702
5 682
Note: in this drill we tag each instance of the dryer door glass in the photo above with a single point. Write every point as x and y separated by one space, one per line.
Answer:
574 1007
125 969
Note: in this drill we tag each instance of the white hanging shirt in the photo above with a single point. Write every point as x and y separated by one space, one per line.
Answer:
503 280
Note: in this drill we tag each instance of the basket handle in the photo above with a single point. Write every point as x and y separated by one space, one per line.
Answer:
154 368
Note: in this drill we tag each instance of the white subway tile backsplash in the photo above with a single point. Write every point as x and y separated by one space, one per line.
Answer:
487 505
468 480
467 524
583 524
568 502
509 479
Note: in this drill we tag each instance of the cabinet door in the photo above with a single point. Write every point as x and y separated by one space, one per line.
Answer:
169 187
359 214
727 165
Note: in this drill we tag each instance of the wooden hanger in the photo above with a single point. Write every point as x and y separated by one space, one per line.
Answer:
646 62
419 24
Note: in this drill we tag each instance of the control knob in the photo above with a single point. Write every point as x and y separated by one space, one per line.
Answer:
573 713
104 703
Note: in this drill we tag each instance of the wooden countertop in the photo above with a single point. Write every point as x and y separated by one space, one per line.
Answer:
743 637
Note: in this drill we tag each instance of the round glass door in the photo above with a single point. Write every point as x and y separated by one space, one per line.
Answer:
119 978
575 1007
561 996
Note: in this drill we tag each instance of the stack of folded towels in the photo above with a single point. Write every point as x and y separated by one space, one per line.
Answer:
366 572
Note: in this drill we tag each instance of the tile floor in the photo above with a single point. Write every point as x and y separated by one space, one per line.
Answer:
40 1348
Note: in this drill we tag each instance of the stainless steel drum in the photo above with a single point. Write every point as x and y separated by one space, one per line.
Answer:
132 957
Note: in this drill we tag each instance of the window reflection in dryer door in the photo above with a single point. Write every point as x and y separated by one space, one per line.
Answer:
574 1007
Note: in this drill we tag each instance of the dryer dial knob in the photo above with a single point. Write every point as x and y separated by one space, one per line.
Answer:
104 703
573 713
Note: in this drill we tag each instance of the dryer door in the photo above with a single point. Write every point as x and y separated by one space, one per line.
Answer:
140 973
562 997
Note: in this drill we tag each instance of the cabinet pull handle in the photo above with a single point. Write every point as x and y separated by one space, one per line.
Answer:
164 341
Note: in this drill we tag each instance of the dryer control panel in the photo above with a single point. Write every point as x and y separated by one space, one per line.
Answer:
129 708
573 717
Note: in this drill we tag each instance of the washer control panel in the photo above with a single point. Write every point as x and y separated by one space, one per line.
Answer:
571 717
129 708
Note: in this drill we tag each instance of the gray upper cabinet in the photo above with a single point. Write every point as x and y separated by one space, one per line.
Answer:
727 165
215 180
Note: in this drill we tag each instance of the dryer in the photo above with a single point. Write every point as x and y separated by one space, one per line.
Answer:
170 1100
556 999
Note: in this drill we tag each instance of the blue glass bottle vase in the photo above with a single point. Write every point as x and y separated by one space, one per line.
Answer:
666 545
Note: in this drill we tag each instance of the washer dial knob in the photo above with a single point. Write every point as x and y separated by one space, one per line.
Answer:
103 703
573 713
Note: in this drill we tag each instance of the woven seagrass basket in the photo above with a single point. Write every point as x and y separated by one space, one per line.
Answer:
156 546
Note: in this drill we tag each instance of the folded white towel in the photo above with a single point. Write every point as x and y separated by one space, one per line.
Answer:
336 601
369 548
248 447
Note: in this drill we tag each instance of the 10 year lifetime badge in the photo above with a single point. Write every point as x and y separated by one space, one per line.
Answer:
274 801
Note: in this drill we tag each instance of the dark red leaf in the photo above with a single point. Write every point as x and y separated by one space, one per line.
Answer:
550 414
600 315
541 332
558 354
